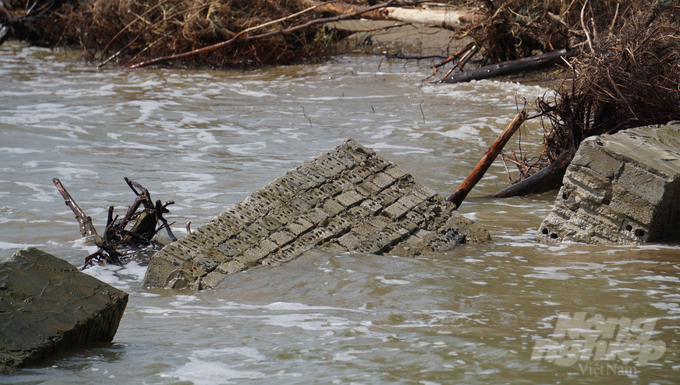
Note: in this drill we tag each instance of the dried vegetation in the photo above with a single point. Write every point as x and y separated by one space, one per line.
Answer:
626 73
130 31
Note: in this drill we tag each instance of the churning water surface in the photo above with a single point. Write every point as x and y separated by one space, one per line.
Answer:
207 139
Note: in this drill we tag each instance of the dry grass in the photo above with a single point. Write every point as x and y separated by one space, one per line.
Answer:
630 78
626 74
137 30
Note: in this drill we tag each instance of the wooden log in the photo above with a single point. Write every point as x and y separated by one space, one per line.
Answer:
511 67
462 191
548 178
446 17
440 18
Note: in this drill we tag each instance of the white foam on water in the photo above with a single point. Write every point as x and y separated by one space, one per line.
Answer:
671 307
121 277
310 322
9 245
472 260
106 273
190 182
659 278
207 137
139 146
69 171
252 93
210 372
246 148
43 192
392 281
406 149
344 356
19 150
543 272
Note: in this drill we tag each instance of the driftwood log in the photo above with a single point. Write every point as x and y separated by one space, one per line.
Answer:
445 18
548 178
511 67
124 238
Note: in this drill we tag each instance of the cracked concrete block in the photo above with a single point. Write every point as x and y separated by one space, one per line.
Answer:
620 189
299 226
282 237
382 180
333 207
349 198
346 199
371 206
396 210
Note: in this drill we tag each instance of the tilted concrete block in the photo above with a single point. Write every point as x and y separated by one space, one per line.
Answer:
620 189
346 199
48 305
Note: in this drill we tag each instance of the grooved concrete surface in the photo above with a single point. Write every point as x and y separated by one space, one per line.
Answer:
620 189
47 304
347 199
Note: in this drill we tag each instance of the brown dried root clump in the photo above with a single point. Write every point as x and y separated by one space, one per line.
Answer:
627 77
130 31
131 237
627 74
515 29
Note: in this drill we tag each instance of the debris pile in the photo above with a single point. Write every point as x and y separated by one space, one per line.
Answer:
130 32
131 237
626 75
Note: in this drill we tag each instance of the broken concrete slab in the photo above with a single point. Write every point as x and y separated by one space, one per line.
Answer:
47 305
347 199
620 189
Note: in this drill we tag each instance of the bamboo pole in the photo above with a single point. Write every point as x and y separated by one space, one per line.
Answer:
462 191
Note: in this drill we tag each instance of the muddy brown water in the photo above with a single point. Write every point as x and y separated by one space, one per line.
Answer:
208 139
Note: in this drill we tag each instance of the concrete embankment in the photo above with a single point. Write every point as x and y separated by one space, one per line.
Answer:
620 189
347 199
47 305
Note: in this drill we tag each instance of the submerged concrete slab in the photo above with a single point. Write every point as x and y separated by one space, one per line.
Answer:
347 199
620 189
47 304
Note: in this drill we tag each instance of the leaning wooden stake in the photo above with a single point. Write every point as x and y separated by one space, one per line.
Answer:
462 191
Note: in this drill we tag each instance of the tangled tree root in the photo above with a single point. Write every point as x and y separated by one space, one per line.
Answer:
626 76
131 237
